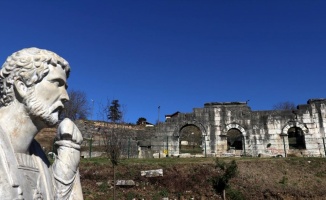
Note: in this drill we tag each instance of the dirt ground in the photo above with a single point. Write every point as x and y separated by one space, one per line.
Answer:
257 178
289 178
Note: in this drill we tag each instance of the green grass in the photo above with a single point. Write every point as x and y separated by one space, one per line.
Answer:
149 161
191 149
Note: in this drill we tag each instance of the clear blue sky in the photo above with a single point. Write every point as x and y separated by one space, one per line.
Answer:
178 54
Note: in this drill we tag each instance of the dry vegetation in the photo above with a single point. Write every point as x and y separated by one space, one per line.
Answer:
290 178
258 178
277 178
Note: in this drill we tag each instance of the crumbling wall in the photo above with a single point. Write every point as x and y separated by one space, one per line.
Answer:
264 132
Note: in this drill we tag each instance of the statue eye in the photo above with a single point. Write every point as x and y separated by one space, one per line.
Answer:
59 82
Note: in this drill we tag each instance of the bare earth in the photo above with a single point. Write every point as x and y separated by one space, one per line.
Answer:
258 178
277 178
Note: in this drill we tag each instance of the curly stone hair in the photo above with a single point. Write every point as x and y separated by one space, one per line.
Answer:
28 65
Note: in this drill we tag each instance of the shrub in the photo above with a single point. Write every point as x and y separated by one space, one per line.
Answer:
220 183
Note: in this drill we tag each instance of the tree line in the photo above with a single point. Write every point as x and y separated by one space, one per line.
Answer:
78 107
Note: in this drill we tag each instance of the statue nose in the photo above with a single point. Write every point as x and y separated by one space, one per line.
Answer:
64 96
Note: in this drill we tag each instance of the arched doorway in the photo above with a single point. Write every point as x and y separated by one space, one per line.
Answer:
190 140
296 138
234 139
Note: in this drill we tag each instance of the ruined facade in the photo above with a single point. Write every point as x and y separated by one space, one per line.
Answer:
223 129
232 128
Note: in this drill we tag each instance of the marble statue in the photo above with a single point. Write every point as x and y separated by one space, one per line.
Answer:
33 91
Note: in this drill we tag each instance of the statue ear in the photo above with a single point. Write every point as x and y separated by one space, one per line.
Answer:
21 88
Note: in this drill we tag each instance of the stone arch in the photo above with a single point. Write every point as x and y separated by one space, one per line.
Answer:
294 124
295 133
178 127
236 126
198 145
242 133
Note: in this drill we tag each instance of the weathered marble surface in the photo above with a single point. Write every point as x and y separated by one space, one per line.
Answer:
32 93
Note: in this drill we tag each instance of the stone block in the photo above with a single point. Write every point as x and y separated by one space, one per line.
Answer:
265 155
152 173
228 154
185 155
159 155
125 183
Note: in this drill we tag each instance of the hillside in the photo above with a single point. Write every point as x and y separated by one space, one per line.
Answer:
258 178
46 138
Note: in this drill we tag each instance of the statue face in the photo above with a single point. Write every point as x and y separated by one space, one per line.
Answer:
47 98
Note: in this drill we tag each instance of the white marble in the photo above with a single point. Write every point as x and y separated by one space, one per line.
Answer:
32 93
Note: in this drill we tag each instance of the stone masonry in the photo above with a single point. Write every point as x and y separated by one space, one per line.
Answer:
263 132
297 132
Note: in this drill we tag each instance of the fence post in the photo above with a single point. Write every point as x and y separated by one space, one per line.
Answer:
167 146
90 147
324 145
128 147
205 146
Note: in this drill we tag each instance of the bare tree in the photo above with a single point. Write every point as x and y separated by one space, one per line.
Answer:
77 107
286 105
113 146
113 134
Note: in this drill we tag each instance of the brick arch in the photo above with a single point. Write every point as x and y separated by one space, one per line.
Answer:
294 124
179 127
236 126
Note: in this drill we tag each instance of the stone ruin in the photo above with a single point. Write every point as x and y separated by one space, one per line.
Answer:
233 129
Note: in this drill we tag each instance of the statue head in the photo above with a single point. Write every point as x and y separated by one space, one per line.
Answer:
23 76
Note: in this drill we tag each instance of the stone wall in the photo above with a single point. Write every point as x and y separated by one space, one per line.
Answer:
262 132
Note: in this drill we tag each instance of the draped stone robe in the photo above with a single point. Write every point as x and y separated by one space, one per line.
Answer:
30 177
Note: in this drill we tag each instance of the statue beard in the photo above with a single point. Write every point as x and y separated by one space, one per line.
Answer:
37 109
